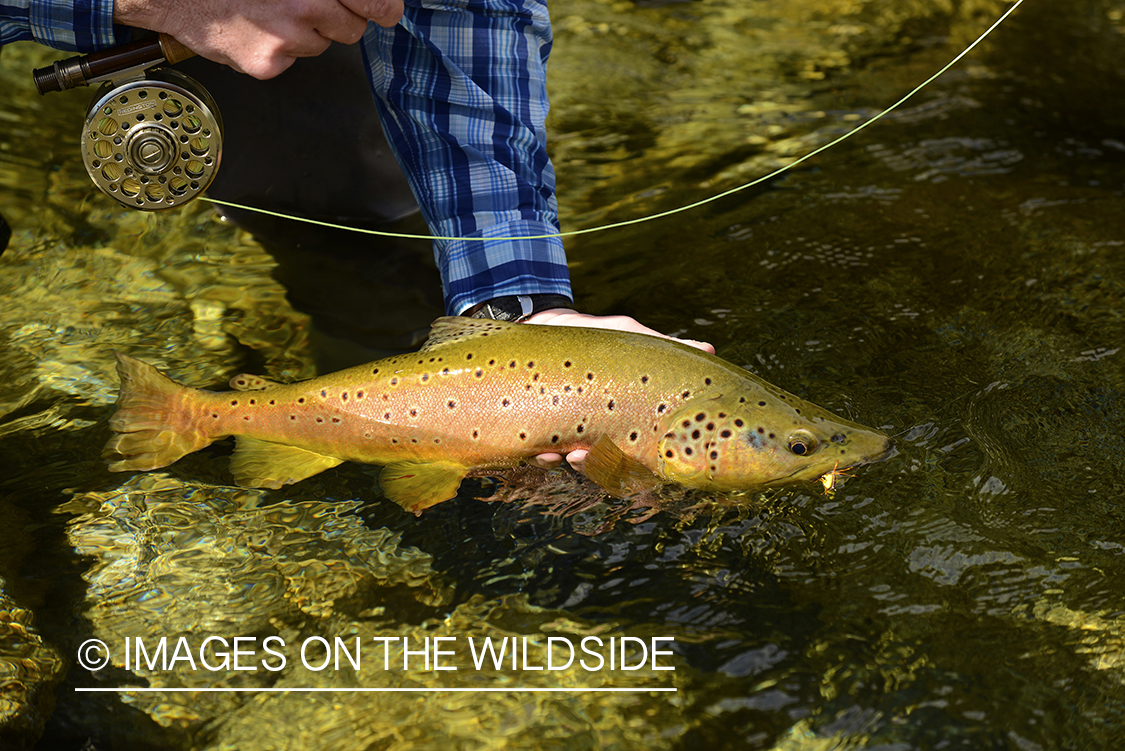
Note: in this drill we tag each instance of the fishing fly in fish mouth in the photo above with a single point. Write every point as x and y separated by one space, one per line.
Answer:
487 395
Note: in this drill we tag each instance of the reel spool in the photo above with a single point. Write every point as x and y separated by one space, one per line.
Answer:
153 143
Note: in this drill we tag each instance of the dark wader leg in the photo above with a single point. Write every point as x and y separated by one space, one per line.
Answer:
309 143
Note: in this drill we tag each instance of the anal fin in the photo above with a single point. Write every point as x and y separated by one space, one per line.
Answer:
264 464
418 485
615 473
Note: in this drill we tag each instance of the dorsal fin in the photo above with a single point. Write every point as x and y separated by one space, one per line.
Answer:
450 329
250 382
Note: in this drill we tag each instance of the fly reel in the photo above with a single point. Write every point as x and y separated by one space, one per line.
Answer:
153 143
153 137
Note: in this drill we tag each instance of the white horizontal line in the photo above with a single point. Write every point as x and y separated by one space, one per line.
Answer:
516 690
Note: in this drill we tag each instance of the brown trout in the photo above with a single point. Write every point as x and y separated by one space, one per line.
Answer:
484 395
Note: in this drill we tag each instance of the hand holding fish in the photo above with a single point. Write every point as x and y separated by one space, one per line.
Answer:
569 317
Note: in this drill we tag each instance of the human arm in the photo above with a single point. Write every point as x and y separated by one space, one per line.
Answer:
62 24
258 37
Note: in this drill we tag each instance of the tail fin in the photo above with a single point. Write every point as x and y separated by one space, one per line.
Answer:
152 428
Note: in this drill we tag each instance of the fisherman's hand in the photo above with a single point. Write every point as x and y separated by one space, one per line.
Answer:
258 37
568 317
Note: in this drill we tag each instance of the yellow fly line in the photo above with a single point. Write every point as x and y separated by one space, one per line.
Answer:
662 214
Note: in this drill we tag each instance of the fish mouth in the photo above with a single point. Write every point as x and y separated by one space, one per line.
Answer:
886 453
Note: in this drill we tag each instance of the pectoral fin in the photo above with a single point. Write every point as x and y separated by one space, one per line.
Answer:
616 473
418 485
262 464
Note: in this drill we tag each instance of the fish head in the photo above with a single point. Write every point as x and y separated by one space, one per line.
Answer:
739 441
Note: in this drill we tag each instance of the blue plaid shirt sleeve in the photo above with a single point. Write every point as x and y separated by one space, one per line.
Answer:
461 90
77 25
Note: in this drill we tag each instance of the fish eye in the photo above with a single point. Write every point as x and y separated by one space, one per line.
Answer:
802 443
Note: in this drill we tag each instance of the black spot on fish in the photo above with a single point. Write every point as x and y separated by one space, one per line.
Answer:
336 419
234 402
413 413
669 453
445 371
512 364
425 377
414 440
761 404
323 394
386 415
761 429
246 418
344 396
687 450
320 419
710 426
476 434
555 400
589 376
215 415
580 427
542 389
240 382
579 389
701 417
394 381
394 441
506 403
531 363
610 405
738 423
523 436
633 436
714 455
661 408
555 438
437 441
566 364
479 373
491 362
252 402
686 394
566 389
695 434
535 377
452 404
742 400
469 356
375 372
292 417
359 395
725 434
706 381
274 401
772 435
686 423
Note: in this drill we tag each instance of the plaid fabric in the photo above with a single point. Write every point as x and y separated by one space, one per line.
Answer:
76 25
461 90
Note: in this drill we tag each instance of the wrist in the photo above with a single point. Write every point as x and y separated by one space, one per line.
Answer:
517 307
